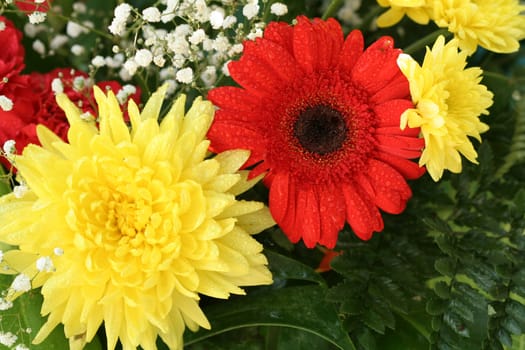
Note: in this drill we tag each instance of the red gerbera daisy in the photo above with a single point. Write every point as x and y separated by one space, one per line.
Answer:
321 117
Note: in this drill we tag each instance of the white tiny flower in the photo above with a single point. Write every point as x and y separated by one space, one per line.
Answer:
79 7
129 89
118 24
31 30
217 18
131 66
8 339
236 49
98 61
209 76
73 29
6 104
37 17
44 263
250 10
159 60
87 117
151 14
202 11
229 21
2 26
169 13
21 347
9 147
143 57
257 33
79 83
39 47
20 191
5 304
172 86
58 251
21 283
124 74
279 9
57 86
197 37
77 50
185 75
58 41
225 69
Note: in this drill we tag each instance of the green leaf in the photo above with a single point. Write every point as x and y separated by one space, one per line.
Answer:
4 183
302 308
284 268
445 266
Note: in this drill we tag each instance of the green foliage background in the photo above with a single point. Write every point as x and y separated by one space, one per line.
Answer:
448 273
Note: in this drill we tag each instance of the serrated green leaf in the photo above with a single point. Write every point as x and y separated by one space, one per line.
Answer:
511 325
442 290
302 308
436 306
445 266
504 337
373 320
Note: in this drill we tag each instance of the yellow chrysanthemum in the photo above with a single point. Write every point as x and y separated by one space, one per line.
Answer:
135 223
417 10
496 25
448 100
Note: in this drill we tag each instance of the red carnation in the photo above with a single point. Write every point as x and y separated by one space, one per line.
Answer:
30 6
12 54
21 127
321 116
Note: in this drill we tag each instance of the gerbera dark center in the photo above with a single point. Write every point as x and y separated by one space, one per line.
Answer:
320 129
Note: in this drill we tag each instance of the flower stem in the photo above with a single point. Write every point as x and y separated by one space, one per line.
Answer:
332 8
426 40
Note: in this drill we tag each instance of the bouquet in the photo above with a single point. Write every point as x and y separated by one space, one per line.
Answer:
260 174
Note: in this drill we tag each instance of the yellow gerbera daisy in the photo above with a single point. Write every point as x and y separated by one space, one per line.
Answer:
496 25
448 100
417 10
126 227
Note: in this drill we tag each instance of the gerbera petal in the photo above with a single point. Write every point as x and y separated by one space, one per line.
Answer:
406 147
255 77
305 44
232 98
390 188
351 51
361 213
279 196
230 134
275 56
389 112
405 167
282 203
397 88
332 211
280 33
329 36
377 65
307 215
